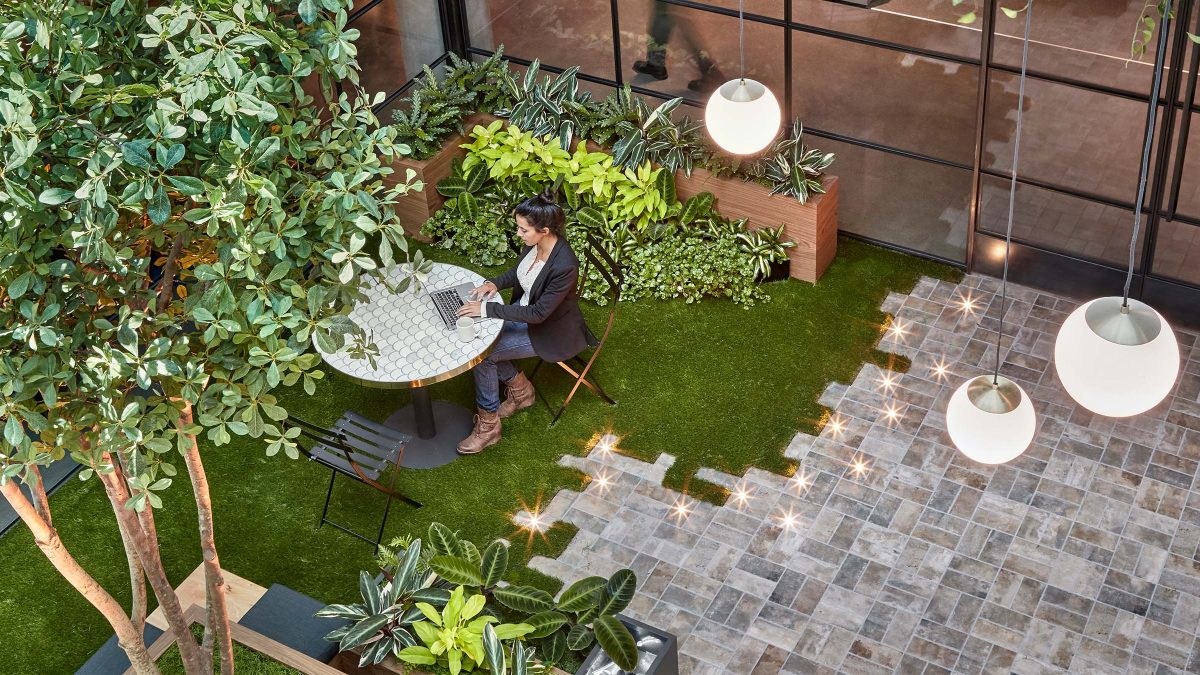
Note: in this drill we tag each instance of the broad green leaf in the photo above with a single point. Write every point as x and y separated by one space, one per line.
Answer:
455 570
618 592
494 563
616 641
555 648
581 594
524 599
136 153
363 630
580 637
187 185
493 649
159 208
420 656
545 623
55 196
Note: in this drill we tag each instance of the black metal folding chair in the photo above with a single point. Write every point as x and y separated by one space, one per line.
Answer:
594 256
360 449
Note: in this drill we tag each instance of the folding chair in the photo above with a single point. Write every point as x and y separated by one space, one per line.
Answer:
594 255
360 449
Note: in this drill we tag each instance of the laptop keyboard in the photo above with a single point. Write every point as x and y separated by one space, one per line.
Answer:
447 303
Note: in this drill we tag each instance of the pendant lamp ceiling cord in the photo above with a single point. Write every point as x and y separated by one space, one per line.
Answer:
1012 188
1160 60
742 38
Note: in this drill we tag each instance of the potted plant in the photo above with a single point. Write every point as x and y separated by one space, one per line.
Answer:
658 653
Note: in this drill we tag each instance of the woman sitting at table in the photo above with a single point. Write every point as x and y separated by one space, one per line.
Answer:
543 318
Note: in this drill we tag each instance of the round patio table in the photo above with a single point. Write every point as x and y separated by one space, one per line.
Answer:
417 350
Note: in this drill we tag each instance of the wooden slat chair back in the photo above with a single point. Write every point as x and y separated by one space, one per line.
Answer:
595 257
360 449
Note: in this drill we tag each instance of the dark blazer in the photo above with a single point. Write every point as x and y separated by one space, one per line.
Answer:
556 327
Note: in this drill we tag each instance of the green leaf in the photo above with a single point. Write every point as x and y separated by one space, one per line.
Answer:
171 157
665 182
438 597
468 206
616 641
494 563
307 11
21 284
696 208
55 196
137 153
188 185
545 623
581 594
580 637
420 656
618 592
554 649
493 650
524 599
363 630
591 219
159 208
442 541
455 570
13 432
452 187
370 592
969 17
1010 13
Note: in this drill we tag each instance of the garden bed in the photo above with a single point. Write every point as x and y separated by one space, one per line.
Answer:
811 225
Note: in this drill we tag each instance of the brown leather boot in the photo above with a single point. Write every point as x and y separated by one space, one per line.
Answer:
485 435
520 396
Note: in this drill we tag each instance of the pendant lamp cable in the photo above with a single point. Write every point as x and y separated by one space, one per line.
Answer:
1012 188
742 38
1160 60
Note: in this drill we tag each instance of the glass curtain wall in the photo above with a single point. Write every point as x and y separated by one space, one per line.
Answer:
920 109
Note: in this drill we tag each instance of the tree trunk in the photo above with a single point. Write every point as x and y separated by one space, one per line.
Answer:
137 577
48 541
146 545
218 612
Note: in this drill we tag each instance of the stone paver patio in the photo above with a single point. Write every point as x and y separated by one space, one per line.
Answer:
890 552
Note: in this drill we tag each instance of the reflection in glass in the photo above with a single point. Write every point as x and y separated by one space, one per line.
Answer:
697 38
1073 138
560 33
925 24
398 37
908 202
913 102
1177 252
1071 225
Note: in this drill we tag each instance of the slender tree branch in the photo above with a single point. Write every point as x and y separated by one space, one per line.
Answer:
166 285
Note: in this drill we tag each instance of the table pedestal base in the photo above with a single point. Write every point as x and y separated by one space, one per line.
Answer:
452 424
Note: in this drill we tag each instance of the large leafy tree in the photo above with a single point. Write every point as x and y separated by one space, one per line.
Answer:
181 217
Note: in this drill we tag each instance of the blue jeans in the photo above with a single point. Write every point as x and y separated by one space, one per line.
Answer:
512 344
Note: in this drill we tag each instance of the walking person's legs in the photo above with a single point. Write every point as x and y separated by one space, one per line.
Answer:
498 367
662 22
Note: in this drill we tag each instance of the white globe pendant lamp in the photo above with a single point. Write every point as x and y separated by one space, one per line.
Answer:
990 419
1117 356
742 115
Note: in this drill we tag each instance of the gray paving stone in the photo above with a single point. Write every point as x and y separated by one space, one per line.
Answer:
1082 555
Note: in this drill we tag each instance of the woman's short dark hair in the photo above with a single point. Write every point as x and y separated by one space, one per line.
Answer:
543 213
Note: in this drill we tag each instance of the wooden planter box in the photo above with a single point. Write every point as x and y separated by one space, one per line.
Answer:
812 225
415 208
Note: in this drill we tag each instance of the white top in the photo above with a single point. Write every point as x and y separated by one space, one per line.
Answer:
415 347
527 272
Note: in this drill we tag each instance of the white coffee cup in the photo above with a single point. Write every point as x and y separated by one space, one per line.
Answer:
465 326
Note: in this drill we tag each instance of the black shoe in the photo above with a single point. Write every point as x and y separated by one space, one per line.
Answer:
655 70
708 82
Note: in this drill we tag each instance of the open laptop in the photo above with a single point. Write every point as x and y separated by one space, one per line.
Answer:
447 301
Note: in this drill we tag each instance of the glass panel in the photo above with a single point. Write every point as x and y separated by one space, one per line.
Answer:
1189 182
1072 138
771 8
1086 41
694 39
1070 225
398 37
908 202
1177 252
926 24
881 95
561 33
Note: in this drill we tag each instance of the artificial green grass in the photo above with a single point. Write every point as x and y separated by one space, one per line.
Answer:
711 383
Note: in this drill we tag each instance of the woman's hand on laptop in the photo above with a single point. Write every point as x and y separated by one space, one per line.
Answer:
470 309
484 291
